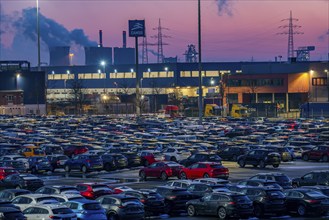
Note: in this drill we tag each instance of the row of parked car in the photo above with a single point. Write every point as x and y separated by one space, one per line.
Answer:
264 194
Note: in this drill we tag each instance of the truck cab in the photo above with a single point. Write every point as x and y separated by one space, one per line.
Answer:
238 111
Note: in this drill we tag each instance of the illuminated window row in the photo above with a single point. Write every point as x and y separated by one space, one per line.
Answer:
204 73
123 75
91 76
60 76
162 74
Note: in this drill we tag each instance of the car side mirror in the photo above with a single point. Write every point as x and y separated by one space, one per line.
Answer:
201 200
302 178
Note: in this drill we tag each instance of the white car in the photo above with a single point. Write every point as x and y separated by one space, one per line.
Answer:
49 212
176 154
179 183
27 200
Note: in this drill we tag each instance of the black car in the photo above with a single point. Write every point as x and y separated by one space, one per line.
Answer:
313 178
10 194
7 204
260 183
51 149
233 152
153 202
8 213
39 164
19 165
323 189
120 161
134 160
122 207
200 157
200 189
57 189
266 200
260 158
283 180
222 205
21 181
57 161
74 149
175 198
108 162
306 201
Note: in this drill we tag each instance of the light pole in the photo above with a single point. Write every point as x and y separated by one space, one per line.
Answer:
38 33
16 80
103 64
199 64
212 83
327 72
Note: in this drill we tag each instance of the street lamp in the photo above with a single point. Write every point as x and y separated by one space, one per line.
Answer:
212 81
103 64
327 72
199 64
16 80
38 33
310 85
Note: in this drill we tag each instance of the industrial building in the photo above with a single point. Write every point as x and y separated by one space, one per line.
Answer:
22 90
288 84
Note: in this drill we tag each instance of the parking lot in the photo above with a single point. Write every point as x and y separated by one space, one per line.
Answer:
123 154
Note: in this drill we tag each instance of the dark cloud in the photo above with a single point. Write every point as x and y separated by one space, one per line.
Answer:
224 7
324 36
51 32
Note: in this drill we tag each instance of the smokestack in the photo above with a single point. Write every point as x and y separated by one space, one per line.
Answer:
124 38
59 56
100 38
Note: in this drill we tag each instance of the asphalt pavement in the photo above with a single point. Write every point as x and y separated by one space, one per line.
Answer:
129 177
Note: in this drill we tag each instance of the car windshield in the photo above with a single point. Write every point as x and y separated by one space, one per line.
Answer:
282 179
38 151
92 206
216 166
9 171
62 158
62 211
173 164
241 199
315 194
275 193
214 157
129 200
99 187
45 198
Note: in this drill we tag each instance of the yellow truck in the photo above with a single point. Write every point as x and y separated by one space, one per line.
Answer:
238 111
211 110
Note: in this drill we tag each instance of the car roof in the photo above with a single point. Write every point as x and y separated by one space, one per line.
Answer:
35 196
84 201
49 206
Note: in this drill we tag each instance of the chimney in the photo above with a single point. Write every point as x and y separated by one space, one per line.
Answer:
124 38
59 56
100 38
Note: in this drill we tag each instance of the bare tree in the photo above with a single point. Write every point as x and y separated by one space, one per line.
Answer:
252 90
156 90
77 94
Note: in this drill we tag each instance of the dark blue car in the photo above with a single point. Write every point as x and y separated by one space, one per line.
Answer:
84 163
39 164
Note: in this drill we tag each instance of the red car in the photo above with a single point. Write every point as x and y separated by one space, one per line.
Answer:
6 171
317 153
204 170
149 158
93 190
163 170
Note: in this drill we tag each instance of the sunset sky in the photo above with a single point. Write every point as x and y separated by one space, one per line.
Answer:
240 30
